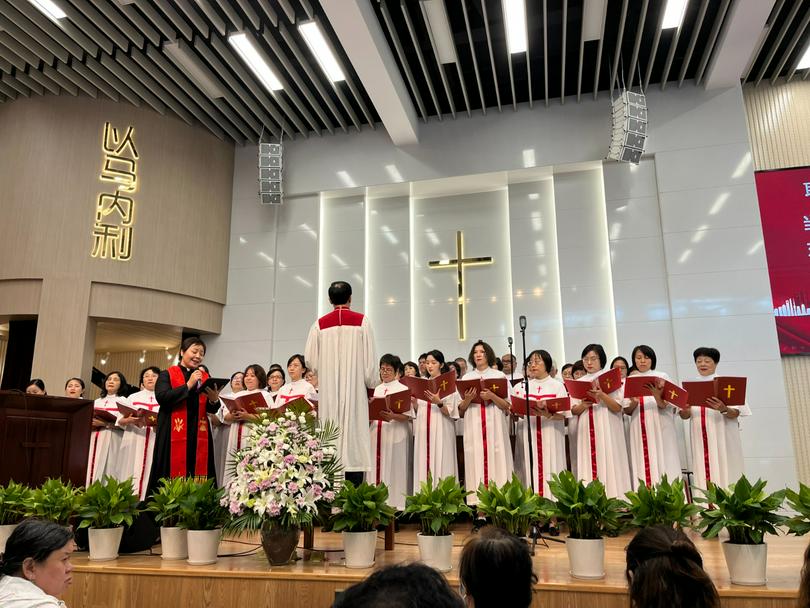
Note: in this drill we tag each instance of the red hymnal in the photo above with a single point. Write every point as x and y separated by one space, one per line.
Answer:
636 386
245 403
444 385
699 392
675 395
278 411
499 386
730 389
610 381
558 404
398 403
520 405
104 416
579 389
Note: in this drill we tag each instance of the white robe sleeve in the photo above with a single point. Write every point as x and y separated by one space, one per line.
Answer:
311 350
371 371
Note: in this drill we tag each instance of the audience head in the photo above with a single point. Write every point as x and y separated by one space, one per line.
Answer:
390 367
706 360
35 386
496 570
255 377
481 355
804 584
296 367
275 377
462 363
237 382
644 358
665 569
594 358
578 370
149 378
74 388
192 352
340 293
434 362
567 371
115 383
622 364
410 586
39 551
411 369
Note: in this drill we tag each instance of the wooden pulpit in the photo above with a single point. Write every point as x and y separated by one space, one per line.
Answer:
43 436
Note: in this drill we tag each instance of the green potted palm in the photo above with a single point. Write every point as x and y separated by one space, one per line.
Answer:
105 507
664 503
165 504
437 506
202 514
590 515
361 509
748 512
799 502
13 498
512 506
54 501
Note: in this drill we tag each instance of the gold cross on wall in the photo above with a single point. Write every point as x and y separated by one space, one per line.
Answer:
458 264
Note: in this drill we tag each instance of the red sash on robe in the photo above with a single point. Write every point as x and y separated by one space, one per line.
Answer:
179 432
645 448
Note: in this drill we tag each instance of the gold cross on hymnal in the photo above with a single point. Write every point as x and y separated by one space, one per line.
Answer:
729 389
459 263
443 384
673 394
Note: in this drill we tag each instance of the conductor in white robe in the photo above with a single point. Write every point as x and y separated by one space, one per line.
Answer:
340 348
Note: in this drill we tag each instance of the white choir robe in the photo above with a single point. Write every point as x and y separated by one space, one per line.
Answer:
340 349
391 445
105 444
434 441
237 433
487 457
601 448
293 390
717 453
653 442
138 444
548 446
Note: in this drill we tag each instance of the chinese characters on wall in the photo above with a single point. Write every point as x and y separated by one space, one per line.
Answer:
115 206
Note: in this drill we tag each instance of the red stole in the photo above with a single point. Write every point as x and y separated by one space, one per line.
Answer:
179 432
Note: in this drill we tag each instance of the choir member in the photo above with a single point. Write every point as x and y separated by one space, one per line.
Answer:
622 364
74 388
434 429
105 440
221 431
462 363
411 369
578 370
567 371
717 454
546 430
275 380
35 387
138 443
423 371
183 443
653 443
601 447
487 449
255 379
455 367
509 367
312 378
391 439
297 386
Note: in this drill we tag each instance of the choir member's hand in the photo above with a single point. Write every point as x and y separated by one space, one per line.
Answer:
196 376
537 410
127 420
99 424
214 421
633 402
433 397
213 395
387 415
716 404
469 395
657 389
597 394
486 395
238 415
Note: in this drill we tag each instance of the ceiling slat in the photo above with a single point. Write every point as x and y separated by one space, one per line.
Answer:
163 26
252 15
707 52
26 47
775 46
389 24
112 32
673 46
5 65
545 52
177 20
637 44
618 51
653 52
231 13
599 51
693 41
472 54
45 81
138 20
213 16
116 83
564 38
61 80
415 41
196 19
77 79
144 93
491 54
12 57
30 82
111 13
439 66
94 79
26 16
80 23
10 87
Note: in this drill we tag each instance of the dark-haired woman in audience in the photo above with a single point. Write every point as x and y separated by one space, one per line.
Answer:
601 447
717 454
296 387
546 431
255 380
495 571
391 438
138 444
487 449
105 440
804 584
74 388
434 429
35 568
653 443
411 369
665 570
621 363
35 387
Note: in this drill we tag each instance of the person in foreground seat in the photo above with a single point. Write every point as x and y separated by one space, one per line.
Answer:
410 586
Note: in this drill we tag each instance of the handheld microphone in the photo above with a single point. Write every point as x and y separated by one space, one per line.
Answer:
522 322
509 341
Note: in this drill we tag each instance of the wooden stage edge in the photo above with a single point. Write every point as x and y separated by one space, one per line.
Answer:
146 580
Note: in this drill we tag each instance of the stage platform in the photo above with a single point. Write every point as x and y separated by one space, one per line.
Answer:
144 580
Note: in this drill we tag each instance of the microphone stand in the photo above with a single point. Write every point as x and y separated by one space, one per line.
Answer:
535 532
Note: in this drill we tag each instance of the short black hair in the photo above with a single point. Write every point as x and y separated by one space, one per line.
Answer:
393 361
545 357
412 364
276 368
123 390
707 351
409 586
79 380
566 366
259 372
35 539
38 382
647 351
191 341
300 360
599 350
577 366
339 293
456 367
152 368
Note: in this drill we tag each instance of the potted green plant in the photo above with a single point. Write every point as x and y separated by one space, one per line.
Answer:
13 498
799 502
105 507
283 479
748 512
511 506
361 509
437 507
165 504
590 515
54 500
664 503
203 515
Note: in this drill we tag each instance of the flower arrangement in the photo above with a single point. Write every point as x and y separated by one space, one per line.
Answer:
285 474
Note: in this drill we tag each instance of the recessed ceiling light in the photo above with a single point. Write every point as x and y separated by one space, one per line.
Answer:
804 62
673 14
514 12
50 9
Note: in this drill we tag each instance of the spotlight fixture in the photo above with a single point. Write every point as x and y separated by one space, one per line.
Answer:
629 124
270 165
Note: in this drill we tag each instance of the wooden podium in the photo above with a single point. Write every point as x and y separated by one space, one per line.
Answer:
43 436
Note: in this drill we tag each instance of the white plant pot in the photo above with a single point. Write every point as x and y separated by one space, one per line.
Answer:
746 563
104 543
435 551
203 546
586 557
173 543
359 548
5 532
